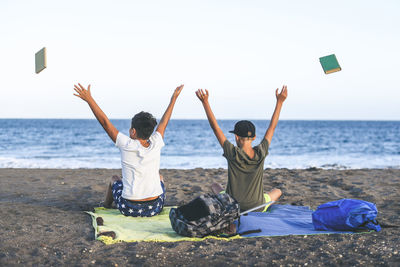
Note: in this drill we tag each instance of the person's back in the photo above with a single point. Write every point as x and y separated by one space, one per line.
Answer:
141 162
141 190
245 171
245 163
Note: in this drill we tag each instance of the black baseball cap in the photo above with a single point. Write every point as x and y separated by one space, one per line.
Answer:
244 129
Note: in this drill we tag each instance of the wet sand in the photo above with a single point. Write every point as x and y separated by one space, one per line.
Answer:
42 220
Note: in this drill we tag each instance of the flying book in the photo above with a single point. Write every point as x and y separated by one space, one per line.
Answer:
40 60
330 64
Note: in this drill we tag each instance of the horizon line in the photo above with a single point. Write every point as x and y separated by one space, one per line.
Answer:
255 119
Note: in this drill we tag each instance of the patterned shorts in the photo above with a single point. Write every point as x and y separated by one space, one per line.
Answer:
139 209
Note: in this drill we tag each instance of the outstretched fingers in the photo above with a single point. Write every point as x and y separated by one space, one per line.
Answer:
178 89
81 92
201 94
281 96
198 94
82 88
77 90
284 90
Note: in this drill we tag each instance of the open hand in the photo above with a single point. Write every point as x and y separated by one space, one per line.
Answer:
203 96
177 91
280 97
82 92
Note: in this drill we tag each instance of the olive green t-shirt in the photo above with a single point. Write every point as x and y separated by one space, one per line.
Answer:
245 174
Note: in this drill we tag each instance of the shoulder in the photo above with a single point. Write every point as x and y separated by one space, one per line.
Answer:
229 149
121 139
228 144
263 146
264 143
157 138
124 141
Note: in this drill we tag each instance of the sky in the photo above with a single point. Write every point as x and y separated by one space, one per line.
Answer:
135 53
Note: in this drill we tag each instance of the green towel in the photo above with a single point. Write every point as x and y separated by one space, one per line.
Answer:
135 229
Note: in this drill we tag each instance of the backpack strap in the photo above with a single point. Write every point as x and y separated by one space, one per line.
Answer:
364 224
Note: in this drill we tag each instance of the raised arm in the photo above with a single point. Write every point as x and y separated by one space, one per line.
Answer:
280 98
203 96
167 115
85 95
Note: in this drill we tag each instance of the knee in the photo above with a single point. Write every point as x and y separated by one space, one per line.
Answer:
278 191
275 194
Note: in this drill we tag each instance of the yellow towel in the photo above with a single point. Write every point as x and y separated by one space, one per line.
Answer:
134 229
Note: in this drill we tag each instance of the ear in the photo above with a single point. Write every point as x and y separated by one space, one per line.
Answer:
132 133
254 138
236 138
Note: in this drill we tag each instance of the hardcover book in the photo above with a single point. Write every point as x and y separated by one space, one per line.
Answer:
330 64
40 60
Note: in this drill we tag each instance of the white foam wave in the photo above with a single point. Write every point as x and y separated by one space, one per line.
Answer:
190 162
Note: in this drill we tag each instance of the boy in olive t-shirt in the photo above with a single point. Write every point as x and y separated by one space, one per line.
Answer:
245 163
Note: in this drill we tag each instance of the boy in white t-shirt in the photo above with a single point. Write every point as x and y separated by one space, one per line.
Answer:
141 190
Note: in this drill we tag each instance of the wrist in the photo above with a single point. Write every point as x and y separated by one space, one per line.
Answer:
89 100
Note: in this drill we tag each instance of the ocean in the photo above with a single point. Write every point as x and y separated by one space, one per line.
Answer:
80 143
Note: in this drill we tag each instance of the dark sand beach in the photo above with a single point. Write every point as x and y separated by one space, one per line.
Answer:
42 220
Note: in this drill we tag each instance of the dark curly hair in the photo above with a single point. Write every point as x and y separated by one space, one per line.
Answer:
144 124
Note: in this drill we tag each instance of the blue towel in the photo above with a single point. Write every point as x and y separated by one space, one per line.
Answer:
281 220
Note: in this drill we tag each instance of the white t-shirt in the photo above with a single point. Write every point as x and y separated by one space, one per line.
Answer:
140 166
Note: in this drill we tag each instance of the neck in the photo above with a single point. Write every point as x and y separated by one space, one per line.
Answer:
244 144
145 143
247 148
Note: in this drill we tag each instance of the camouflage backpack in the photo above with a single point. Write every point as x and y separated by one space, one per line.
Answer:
207 214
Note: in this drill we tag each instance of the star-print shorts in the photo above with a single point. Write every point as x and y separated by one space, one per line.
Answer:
136 208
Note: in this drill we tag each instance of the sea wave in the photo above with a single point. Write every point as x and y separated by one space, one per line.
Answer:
186 162
71 144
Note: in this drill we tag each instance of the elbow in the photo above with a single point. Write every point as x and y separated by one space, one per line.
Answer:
106 123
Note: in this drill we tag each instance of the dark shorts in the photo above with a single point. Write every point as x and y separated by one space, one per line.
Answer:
137 209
